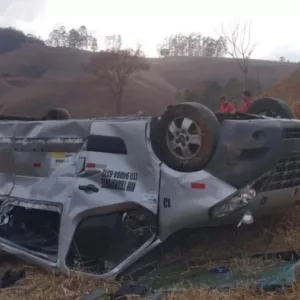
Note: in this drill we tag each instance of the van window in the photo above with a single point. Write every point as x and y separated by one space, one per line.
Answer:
106 144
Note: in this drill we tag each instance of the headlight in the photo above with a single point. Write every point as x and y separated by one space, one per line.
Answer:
236 203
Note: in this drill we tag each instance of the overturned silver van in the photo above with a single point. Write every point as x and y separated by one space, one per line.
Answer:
95 196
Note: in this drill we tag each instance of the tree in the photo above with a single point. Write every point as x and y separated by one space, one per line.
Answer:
193 44
74 39
11 39
239 45
211 94
53 39
164 52
83 37
115 67
80 39
58 37
93 44
113 42
213 48
282 59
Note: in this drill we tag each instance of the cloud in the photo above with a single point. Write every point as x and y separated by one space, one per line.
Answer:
290 52
14 11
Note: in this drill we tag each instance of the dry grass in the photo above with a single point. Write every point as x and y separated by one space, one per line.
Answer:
277 233
235 294
288 90
41 286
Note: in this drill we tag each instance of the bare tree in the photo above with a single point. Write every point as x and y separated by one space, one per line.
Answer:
239 45
115 67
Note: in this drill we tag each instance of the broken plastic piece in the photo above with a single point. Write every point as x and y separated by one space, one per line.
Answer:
10 277
219 270
246 219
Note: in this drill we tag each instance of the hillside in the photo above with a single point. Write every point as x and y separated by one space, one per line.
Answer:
49 77
289 90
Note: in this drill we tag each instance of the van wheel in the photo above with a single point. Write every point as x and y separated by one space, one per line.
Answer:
271 107
57 114
188 135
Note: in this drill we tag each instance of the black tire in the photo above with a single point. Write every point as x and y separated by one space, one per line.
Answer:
203 120
57 114
271 107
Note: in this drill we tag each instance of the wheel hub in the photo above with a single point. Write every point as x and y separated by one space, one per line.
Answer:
184 138
181 139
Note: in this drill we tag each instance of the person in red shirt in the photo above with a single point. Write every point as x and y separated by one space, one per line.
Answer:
226 106
247 98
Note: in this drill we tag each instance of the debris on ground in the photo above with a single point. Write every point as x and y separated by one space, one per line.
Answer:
215 246
268 275
126 291
11 276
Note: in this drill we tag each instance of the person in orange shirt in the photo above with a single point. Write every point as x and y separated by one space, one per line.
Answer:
247 98
226 106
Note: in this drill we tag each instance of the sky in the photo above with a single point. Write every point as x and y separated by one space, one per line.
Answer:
149 22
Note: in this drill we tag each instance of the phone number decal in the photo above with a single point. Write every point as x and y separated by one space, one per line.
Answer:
118 180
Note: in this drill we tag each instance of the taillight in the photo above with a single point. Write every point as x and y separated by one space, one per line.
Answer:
198 185
90 165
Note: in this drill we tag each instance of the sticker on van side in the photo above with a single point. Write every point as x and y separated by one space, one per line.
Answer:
118 180
62 159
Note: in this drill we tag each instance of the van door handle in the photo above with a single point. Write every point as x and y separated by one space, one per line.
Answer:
88 188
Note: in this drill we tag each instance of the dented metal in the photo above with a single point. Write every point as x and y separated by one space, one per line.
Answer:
75 170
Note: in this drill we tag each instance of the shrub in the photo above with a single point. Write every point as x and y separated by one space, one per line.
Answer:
11 39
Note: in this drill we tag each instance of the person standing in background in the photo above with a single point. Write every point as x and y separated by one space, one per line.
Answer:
226 106
247 99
